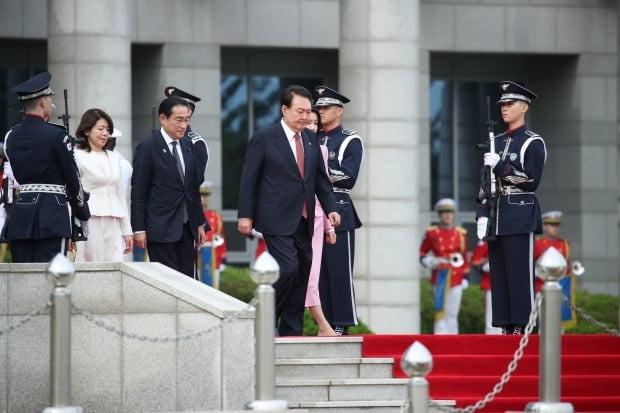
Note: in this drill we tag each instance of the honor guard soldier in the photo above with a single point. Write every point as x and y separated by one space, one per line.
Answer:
551 238
345 153
215 239
201 149
444 251
480 260
517 163
42 161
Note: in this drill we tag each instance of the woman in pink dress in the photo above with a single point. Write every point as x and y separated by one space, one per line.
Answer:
321 226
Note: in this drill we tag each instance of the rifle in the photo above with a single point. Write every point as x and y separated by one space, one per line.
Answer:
79 206
489 185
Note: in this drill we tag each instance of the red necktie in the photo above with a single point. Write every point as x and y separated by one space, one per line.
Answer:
299 150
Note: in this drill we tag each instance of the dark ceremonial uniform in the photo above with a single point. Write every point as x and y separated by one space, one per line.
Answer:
42 161
519 171
201 149
479 258
345 152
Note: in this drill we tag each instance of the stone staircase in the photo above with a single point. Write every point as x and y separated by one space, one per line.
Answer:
328 374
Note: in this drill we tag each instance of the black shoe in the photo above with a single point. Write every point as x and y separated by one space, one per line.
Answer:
518 331
504 331
339 330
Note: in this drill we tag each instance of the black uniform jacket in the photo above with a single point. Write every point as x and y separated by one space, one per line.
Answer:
519 171
41 153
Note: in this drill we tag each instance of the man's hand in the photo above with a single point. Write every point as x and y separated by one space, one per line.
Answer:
330 237
139 239
202 236
334 218
244 225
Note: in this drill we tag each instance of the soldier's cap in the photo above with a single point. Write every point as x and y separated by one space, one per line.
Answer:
175 91
328 97
515 91
206 188
116 133
35 87
445 205
552 217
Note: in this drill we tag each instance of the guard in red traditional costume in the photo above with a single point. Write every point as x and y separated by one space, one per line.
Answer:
212 255
480 260
444 250
551 238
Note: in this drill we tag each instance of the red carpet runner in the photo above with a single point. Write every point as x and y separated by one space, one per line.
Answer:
466 367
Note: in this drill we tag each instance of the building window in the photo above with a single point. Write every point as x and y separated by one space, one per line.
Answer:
458 113
251 82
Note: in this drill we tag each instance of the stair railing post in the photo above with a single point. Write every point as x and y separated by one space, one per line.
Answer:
264 273
551 266
417 362
60 272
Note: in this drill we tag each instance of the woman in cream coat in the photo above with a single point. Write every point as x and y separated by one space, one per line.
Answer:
110 235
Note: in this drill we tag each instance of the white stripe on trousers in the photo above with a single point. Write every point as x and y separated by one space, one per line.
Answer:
353 310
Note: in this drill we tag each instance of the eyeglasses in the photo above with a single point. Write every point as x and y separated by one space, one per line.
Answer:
181 121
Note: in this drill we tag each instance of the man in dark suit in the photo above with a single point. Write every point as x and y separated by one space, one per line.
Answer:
41 157
282 173
166 214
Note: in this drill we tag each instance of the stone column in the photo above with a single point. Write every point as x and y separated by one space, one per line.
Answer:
89 50
379 71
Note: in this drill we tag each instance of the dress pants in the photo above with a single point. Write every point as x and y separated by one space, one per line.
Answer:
488 315
449 324
179 255
293 254
512 279
37 250
336 281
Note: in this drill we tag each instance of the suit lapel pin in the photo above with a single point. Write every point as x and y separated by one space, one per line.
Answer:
163 150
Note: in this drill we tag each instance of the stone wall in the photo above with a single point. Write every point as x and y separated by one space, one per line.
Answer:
113 373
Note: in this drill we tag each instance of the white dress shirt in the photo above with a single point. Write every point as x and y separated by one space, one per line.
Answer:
169 141
290 135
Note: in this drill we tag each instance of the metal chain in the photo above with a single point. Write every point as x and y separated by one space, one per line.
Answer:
591 319
24 320
512 366
164 339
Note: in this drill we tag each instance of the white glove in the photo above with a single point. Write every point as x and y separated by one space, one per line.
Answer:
491 159
429 261
486 267
85 228
481 227
465 283
256 234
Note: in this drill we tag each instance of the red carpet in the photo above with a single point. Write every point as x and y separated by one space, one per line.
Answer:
466 367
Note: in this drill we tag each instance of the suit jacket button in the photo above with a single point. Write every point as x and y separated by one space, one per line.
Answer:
523 202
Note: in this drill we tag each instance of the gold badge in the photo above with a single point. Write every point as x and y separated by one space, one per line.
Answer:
320 91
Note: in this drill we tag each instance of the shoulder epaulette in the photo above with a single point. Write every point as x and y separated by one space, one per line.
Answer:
539 237
194 136
13 127
531 133
461 230
57 125
432 228
500 134
349 132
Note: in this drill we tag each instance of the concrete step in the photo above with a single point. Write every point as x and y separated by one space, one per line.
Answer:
318 347
394 406
332 368
298 390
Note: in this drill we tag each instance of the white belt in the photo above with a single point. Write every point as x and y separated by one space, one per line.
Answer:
341 190
45 188
513 190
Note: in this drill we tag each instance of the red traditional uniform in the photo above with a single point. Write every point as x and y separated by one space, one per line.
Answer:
217 227
443 242
540 246
480 257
